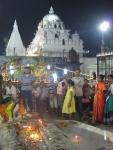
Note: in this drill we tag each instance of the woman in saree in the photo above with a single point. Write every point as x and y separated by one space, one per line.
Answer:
6 107
108 118
99 100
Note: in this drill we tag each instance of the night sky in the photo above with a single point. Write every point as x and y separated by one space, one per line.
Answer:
81 15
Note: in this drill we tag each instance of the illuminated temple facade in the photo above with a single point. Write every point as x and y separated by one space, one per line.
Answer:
15 45
53 39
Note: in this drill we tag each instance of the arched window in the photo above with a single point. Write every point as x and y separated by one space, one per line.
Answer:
63 42
69 36
56 35
60 26
55 26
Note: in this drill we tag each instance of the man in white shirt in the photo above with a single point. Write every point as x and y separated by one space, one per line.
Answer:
78 81
11 90
61 90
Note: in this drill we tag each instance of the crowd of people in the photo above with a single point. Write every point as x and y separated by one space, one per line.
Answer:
73 98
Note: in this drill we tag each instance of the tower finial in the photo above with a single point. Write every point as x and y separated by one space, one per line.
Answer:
15 23
51 11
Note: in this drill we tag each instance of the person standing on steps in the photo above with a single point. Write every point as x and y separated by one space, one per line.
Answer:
26 80
69 106
78 81
52 91
61 91
99 100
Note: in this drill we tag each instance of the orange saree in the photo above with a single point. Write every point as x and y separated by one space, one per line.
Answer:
99 102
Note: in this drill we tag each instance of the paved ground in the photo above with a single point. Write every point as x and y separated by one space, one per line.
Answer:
47 116
91 136
86 137
67 133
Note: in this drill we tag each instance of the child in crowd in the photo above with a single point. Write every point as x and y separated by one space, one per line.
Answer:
61 91
52 91
86 98
11 90
69 101
19 109
36 93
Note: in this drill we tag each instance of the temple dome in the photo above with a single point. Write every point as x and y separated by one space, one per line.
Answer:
52 18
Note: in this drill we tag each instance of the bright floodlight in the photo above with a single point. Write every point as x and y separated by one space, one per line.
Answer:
65 71
55 77
104 26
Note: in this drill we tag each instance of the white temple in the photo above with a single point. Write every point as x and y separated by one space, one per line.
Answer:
53 39
15 45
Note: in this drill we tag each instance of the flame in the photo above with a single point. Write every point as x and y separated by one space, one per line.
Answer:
35 136
77 139
29 128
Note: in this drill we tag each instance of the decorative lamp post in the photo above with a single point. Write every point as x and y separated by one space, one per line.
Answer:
104 27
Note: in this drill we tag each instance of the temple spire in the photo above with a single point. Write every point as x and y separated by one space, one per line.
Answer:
15 24
15 45
51 11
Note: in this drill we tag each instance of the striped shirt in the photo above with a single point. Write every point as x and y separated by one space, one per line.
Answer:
26 82
52 88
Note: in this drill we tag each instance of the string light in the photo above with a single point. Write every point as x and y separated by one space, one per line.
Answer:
48 67
65 71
